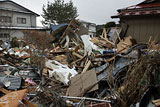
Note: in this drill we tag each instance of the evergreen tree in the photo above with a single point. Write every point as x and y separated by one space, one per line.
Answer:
110 24
59 12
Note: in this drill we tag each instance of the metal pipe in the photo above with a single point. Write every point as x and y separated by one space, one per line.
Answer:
90 99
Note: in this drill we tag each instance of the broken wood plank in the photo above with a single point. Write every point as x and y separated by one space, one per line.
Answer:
86 67
66 45
104 33
85 54
124 45
110 59
108 41
29 104
60 51
77 48
4 91
105 55
118 34
12 99
73 25
156 101
76 54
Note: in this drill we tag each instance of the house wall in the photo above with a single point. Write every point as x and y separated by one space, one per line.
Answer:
12 33
9 5
30 18
16 33
85 25
141 28
33 20
91 28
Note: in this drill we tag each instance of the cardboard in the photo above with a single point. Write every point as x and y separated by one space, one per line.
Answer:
123 45
82 83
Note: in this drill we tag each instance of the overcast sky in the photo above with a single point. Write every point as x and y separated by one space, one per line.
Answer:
96 11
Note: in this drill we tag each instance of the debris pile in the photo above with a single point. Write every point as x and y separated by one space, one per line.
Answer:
78 70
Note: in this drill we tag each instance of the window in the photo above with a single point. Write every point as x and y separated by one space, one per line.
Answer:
4 35
5 19
21 20
1 35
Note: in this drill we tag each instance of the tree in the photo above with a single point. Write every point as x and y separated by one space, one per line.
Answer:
110 24
59 12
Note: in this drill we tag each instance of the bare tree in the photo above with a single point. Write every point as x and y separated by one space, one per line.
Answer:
41 40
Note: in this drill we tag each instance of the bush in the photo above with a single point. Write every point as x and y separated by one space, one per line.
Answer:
14 42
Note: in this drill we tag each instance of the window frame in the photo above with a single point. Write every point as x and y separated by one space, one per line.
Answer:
4 35
5 19
21 20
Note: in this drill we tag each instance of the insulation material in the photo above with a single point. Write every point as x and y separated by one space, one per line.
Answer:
88 45
60 72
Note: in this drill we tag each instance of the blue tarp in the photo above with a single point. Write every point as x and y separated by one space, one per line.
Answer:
56 27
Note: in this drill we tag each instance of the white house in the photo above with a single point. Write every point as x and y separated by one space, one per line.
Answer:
14 18
91 27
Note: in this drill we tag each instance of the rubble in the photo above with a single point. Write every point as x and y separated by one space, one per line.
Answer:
79 70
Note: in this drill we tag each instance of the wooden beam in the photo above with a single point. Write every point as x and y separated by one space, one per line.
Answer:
86 67
79 56
5 91
29 104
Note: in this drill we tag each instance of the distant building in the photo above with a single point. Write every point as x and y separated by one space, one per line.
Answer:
14 18
91 27
141 21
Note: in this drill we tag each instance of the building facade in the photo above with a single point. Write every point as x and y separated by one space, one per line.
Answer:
14 18
141 21
91 27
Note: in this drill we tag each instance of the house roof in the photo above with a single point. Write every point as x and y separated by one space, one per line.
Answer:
82 21
23 28
148 7
27 10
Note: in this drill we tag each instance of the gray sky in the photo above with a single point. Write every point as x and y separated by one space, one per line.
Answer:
96 11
